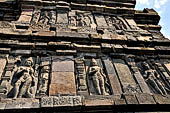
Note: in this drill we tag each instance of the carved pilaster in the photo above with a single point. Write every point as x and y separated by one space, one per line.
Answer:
44 76
6 85
81 75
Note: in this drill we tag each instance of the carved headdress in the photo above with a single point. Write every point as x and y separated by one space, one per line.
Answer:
29 59
94 62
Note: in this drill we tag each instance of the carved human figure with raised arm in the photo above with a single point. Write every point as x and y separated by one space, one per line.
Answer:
25 79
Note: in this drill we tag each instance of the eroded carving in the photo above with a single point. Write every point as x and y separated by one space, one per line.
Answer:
4 24
98 78
44 78
81 75
44 18
116 22
40 20
86 22
61 101
153 79
129 89
6 86
36 16
25 80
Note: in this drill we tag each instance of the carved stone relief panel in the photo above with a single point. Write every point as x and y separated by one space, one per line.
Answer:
41 19
25 77
44 17
126 77
20 77
36 16
97 80
85 22
44 77
116 22
137 75
164 75
155 77
81 74
72 18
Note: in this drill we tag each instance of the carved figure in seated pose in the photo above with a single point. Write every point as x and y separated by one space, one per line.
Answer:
98 77
25 75
153 79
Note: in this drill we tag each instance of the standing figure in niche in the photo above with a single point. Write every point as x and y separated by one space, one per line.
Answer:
152 78
25 79
98 78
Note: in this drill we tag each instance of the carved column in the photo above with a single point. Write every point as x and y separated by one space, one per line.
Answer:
143 86
7 77
81 76
44 76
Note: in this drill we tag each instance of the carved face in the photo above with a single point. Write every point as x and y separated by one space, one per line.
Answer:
28 63
45 76
46 69
94 62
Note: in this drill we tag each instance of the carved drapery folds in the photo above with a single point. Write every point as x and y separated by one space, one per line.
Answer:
79 21
24 79
23 76
155 76
31 77
97 80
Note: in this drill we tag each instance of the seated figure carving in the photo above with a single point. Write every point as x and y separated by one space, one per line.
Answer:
98 78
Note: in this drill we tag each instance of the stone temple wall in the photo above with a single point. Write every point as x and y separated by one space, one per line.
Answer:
82 55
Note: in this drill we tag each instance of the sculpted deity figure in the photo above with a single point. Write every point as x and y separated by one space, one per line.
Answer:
98 78
25 79
153 79
44 18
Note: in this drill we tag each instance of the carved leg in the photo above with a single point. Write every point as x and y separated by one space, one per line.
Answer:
22 92
25 89
16 88
102 87
96 85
